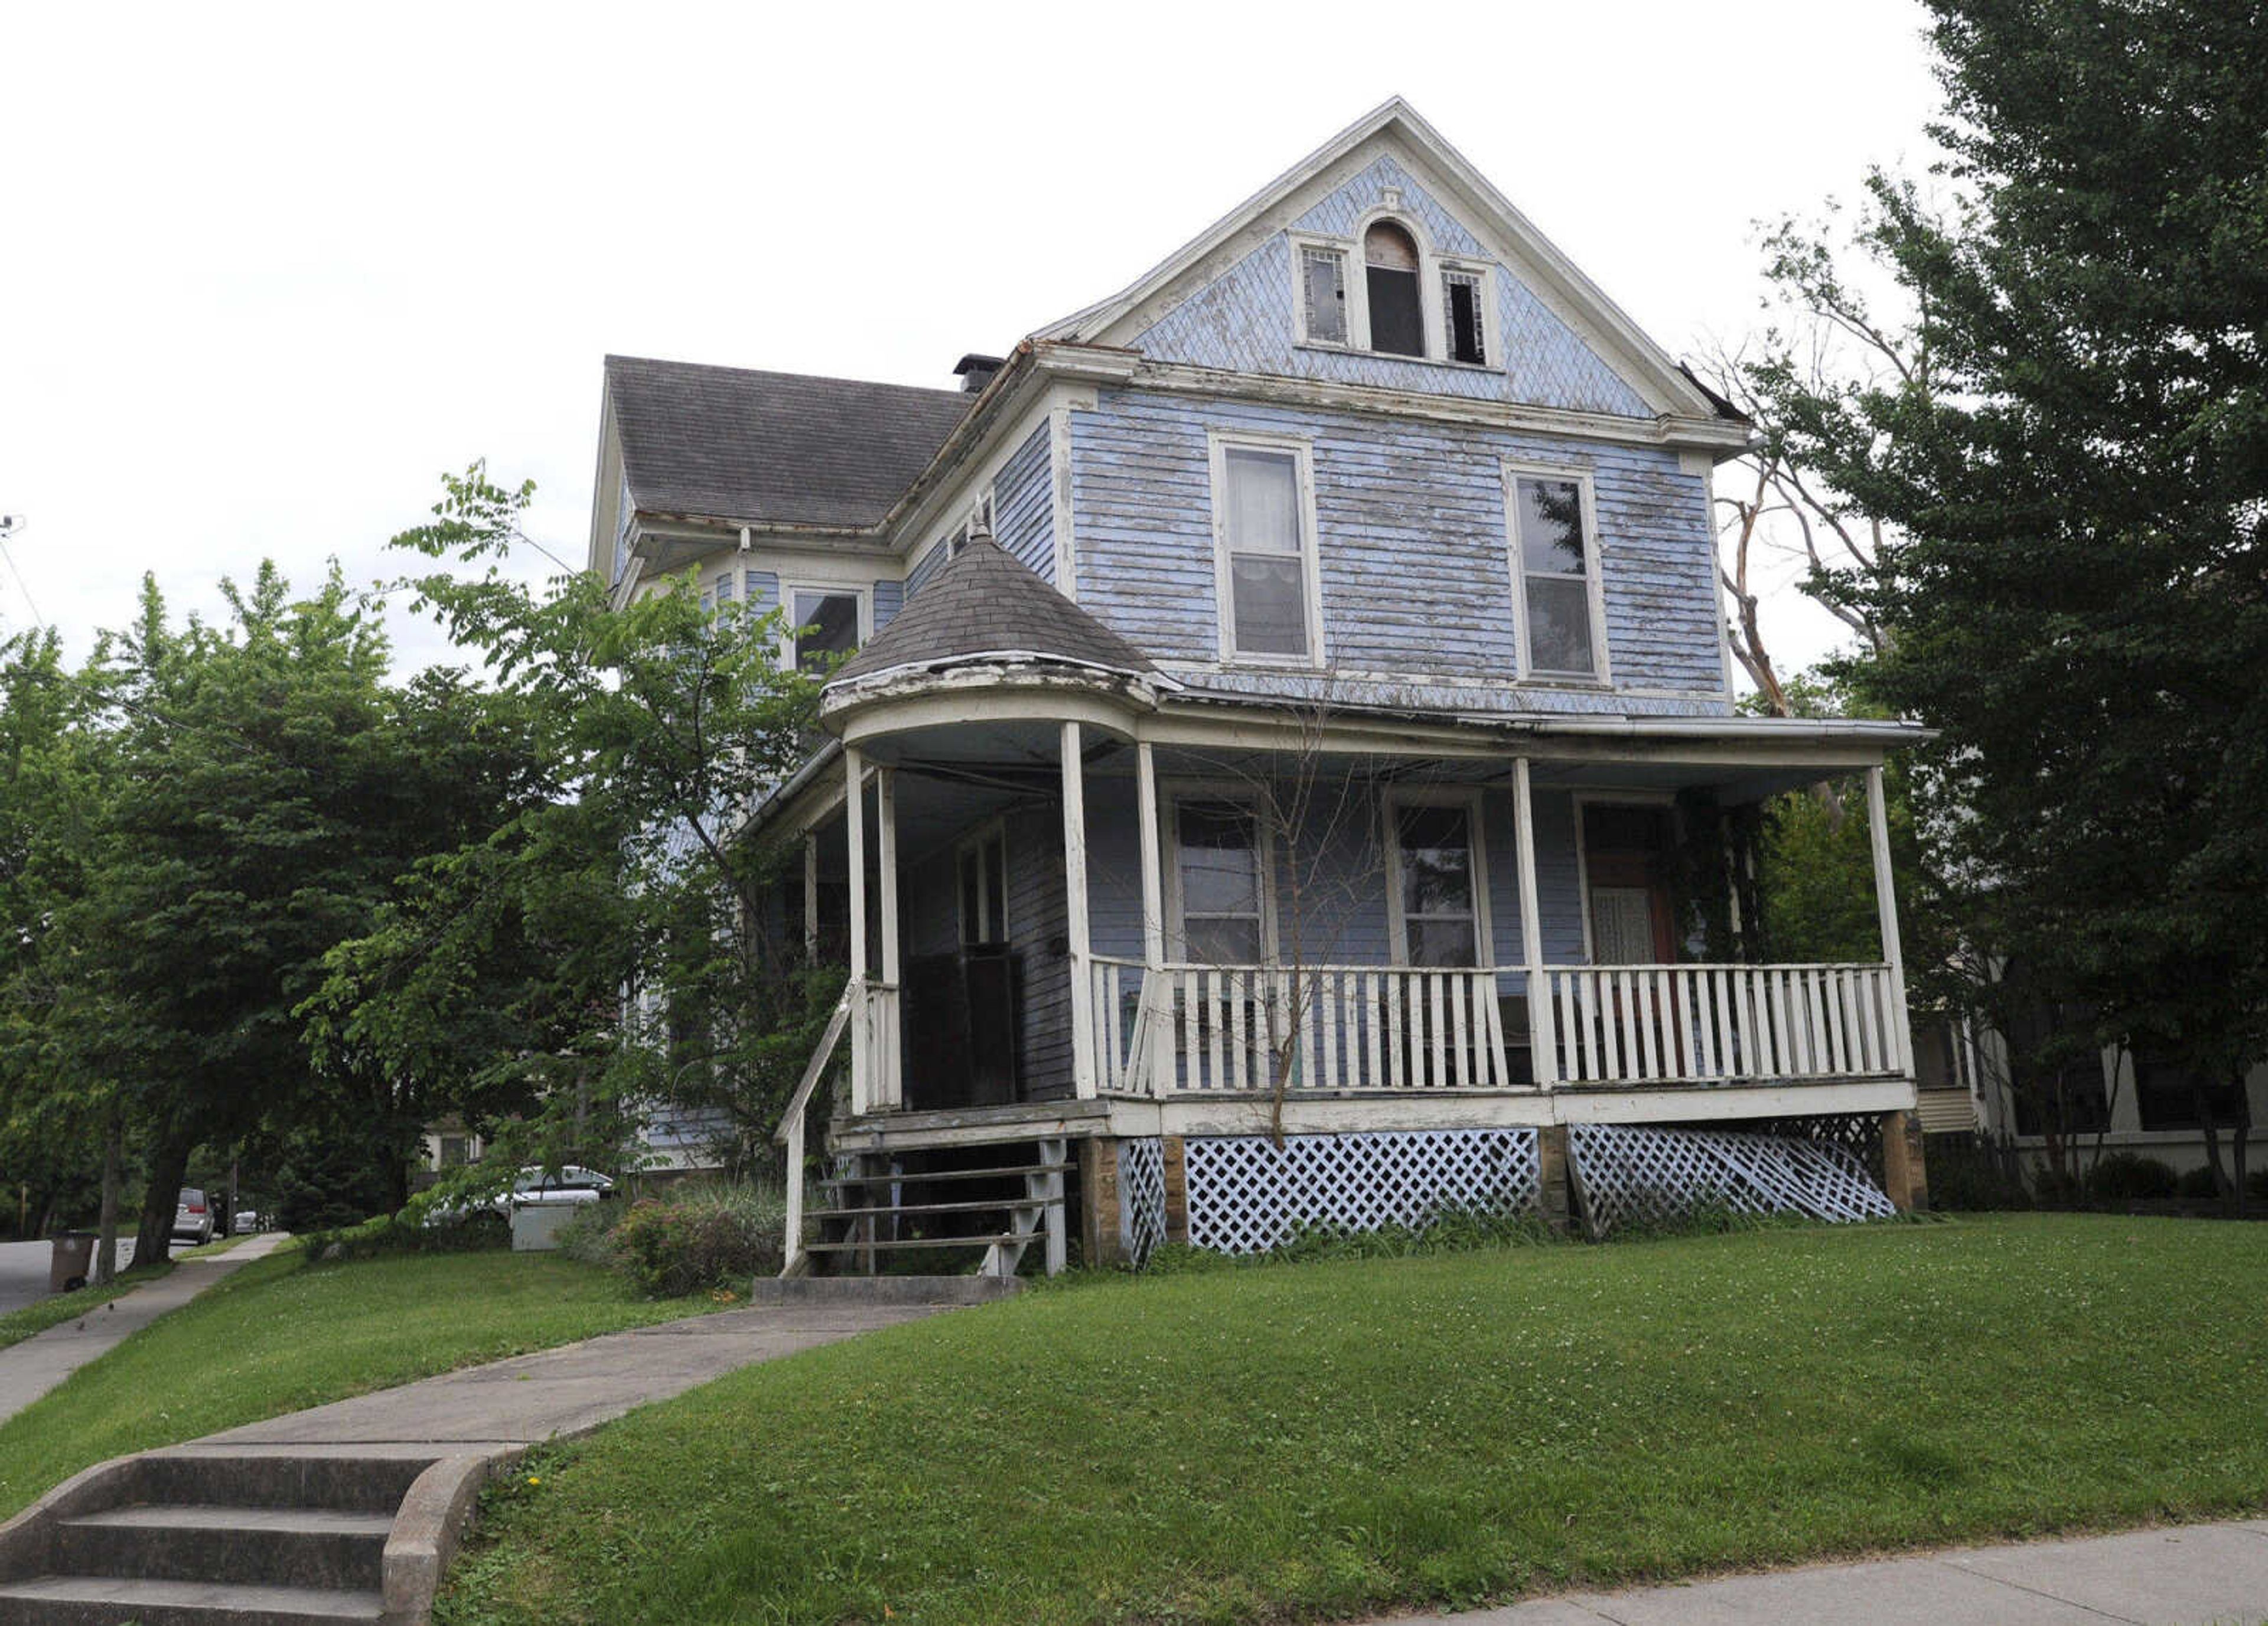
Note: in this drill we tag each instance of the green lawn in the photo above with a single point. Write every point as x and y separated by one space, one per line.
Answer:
1325 1440
281 1335
18 1325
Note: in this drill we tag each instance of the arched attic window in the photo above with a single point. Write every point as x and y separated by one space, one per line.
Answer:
1397 320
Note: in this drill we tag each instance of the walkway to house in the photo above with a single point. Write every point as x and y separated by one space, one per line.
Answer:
2185 1575
30 1369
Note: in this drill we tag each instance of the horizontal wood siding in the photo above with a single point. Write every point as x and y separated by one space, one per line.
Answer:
1416 559
1243 321
1023 505
889 597
760 591
928 565
1038 927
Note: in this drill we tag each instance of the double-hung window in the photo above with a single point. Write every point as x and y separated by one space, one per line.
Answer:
1440 914
1556 567
1221 886
1464 315
827 628
1265 516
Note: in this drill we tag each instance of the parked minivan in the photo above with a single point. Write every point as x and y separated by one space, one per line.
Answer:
193 1217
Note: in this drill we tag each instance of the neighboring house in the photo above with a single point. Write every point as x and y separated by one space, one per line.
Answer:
1281 772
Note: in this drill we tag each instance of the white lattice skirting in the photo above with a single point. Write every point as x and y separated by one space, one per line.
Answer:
1624 1175
1247 1195
1141 1197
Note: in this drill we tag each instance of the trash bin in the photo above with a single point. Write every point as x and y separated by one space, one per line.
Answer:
71 1261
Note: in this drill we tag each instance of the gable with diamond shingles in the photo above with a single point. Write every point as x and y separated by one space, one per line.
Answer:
1243 321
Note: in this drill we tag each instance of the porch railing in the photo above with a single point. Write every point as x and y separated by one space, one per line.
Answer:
1716 1024
1231 1028
1200 1028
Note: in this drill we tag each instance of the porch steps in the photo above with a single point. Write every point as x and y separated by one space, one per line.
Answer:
931 1176
874 1216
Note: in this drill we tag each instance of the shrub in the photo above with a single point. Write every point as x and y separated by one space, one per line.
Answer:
2255 1184
475 1232
2122 1177
2053 1189
2198 1184
1970 1176
589 1237
700 1236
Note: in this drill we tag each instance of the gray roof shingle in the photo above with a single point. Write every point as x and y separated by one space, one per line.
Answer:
984 601
781 448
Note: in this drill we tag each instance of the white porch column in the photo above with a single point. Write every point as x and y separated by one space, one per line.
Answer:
1082 990
1544 1046
885 1075
1145 809
1886 907
854 822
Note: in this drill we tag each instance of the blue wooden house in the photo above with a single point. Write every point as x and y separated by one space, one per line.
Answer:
1289 771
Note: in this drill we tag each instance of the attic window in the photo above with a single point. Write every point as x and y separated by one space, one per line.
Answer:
1322 294
1461 316
1398 322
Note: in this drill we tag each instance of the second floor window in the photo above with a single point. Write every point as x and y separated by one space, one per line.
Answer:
827 626
1266 558
1557 565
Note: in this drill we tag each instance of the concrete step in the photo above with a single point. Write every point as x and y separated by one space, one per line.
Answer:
102 1600
883 1289
324 1548
349 1483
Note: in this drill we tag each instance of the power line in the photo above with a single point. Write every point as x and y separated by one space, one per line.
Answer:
10 524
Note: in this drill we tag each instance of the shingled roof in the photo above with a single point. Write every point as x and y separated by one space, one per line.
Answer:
986 602
780 448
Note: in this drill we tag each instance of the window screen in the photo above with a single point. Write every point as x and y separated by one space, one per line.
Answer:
1267 560
1323 287
1555 564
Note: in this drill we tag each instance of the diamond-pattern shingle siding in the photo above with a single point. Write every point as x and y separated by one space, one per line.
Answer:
783 448
1242 321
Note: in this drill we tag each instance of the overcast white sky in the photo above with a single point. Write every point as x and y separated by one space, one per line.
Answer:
266 272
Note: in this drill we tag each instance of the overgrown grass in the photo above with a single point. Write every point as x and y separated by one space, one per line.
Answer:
1346 1436
280 1334
18 1325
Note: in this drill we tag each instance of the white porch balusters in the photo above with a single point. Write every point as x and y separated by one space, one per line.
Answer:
1886 907
1543 1043
1082 1006
854 823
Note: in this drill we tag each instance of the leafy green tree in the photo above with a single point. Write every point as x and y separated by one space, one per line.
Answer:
2076 481
596 954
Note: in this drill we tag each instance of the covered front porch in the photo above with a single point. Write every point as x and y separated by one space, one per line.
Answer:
1153 908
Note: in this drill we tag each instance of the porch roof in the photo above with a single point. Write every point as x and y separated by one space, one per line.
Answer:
987 605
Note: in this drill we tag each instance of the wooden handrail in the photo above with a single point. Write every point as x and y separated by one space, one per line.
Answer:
817 1068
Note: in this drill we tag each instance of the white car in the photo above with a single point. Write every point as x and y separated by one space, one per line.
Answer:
532 1188
246 1222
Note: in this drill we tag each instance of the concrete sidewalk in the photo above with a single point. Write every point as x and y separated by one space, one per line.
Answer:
2183 1575
30 1369
563 1391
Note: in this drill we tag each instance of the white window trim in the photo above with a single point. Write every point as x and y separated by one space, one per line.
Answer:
1469 798
1581 802
1300 242
1219 443
976 840
832 590
1525 667
1492 346
1171 797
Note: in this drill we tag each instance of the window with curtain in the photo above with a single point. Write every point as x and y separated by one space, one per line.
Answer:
1263 530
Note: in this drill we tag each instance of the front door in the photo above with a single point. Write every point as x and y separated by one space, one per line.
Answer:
1627 854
